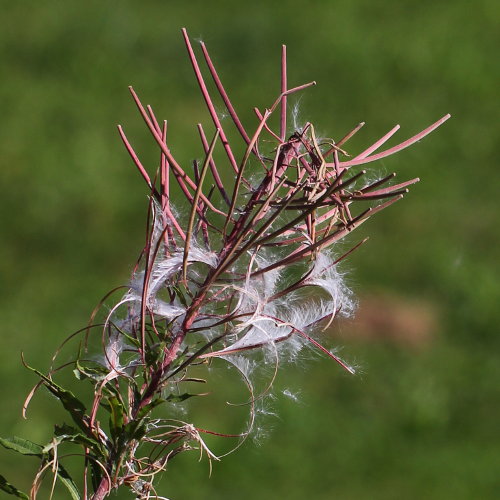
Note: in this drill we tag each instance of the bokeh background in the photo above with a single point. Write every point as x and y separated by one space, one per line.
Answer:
422 418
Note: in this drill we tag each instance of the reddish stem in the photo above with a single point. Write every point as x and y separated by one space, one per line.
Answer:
283 94
103 490
224 95
208 101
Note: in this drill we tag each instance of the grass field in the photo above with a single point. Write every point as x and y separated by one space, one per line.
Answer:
421 420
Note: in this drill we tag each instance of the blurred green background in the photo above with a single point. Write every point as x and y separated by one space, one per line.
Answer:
422 419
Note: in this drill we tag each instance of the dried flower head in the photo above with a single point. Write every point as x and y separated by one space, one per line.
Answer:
250 266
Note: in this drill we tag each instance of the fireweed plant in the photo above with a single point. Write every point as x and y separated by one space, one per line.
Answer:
242 271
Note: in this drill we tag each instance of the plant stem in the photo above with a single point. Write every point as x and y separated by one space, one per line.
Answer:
103 490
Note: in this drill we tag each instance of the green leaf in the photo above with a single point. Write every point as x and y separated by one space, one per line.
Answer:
178 398
66 479
95 373
180 295
26 447
136 428
96 474
132 340
67 434
11 489
71 403
116 417
148 408
154 352
23 446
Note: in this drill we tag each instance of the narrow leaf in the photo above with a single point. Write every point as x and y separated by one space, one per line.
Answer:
71 404
189 232
68 434
178 398
11 489
66 479
23 446
116 417
135 429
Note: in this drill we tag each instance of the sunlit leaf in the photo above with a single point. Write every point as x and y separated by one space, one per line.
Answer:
23 446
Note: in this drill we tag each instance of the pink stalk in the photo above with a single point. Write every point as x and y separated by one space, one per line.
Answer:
301 157
171 216
164 173
377 144
306 250
336 146
179 179
266 126
278 101
194 204
344 139
244 162
392 189
153 117
324 217
208 101
283 94
399 147
291 91
224 95
336 163
326 351
213 167
374 195
145 175
134 157
173 163
165 185
380 182
165 168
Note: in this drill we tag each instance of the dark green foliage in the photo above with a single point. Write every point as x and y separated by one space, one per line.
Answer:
71 404
26 447
12 490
